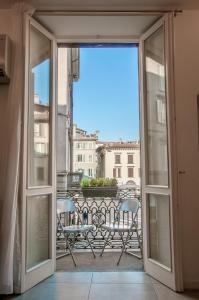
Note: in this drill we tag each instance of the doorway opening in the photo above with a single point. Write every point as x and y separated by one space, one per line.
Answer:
158 161
98 155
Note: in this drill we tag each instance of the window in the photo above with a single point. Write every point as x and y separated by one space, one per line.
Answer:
78 145
130 172
114 172
90 146
79 158
40 148
117 172
90 158
37 130
83 145
117 159
90 172
43 130
161 109
130 158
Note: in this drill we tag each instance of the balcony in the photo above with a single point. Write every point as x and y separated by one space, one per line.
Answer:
98 211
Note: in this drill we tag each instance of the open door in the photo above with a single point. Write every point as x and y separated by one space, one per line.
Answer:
159 172
39 157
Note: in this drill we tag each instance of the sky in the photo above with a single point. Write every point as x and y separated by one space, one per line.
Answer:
41 81
106 96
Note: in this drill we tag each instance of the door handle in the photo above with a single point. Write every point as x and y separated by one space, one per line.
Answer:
182 172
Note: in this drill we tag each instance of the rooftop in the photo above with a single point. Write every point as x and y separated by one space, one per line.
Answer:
118 145
81 134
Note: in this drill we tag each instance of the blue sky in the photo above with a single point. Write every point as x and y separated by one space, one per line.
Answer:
41 81
106 95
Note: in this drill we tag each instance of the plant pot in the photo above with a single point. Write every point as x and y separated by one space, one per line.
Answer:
99 191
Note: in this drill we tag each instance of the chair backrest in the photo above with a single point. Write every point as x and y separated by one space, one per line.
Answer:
65 205
129 205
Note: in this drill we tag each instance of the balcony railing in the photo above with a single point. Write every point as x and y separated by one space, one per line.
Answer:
98 211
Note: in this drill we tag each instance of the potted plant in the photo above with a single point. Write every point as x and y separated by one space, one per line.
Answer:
99 187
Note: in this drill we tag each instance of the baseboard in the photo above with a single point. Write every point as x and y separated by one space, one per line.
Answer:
191 285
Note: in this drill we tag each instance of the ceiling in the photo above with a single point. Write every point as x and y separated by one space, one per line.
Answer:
109 4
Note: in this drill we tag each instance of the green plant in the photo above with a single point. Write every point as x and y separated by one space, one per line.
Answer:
100 182
106 182
85 182
113 181
95 182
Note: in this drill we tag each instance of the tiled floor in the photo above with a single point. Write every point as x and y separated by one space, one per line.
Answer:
102 286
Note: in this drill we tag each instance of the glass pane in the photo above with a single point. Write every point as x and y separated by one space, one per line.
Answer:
159 229
156 130
37 230
39 109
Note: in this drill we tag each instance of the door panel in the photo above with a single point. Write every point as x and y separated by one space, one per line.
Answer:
159 229
38 212
158 183
38 245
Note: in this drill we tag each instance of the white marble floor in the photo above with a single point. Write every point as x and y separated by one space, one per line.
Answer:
102 286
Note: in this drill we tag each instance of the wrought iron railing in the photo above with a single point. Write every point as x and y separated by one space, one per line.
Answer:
98 211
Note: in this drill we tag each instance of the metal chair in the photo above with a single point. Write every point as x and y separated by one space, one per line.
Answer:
68 206
128 205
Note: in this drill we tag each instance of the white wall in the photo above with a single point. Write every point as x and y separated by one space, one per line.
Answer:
10 99
5 28
186 26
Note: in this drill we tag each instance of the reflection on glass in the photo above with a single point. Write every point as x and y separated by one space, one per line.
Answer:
37 249
39 109
156 110
159 229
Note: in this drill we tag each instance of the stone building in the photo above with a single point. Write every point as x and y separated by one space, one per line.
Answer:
120 160
84 151
68 72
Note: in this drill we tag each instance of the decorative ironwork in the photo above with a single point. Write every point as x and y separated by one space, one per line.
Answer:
98 211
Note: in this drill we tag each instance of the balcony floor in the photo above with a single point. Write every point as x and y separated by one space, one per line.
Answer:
106 263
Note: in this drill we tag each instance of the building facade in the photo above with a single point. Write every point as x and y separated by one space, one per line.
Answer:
120 160
68 72
84 151
39 144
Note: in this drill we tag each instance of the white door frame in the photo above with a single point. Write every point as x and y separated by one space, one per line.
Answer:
31 277
27 281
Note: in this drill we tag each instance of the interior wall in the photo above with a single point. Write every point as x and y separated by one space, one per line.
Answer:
186 62
10 128
6 18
